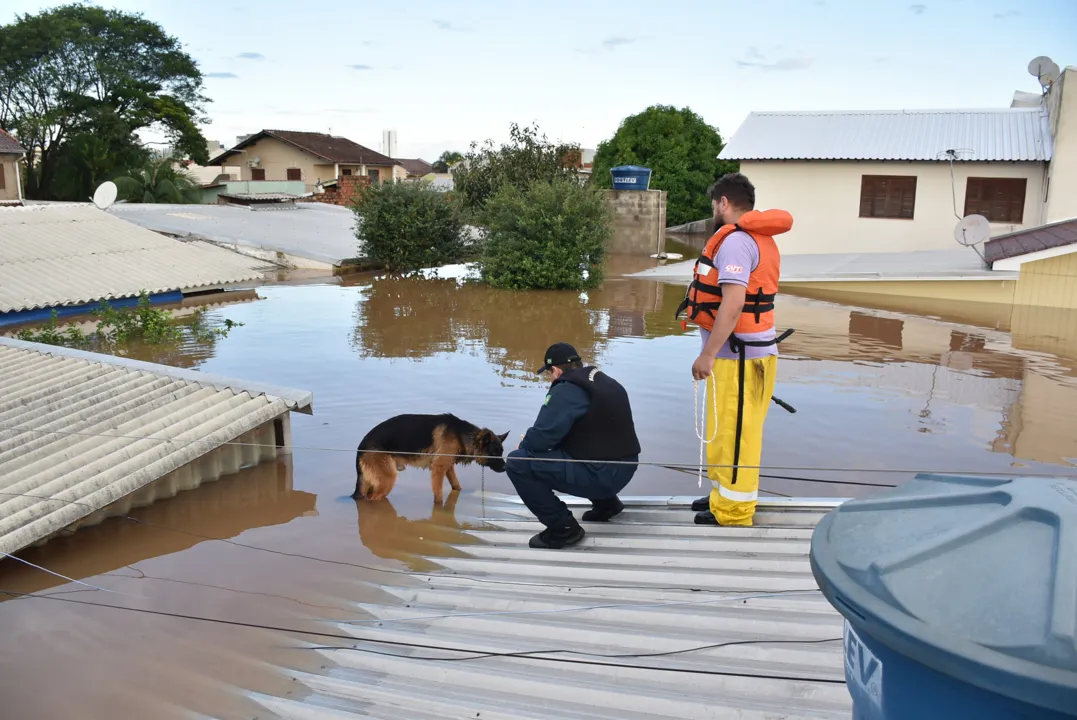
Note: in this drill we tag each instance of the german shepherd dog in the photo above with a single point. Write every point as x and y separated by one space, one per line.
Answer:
417 440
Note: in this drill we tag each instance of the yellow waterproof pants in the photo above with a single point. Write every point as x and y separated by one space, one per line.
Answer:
734 491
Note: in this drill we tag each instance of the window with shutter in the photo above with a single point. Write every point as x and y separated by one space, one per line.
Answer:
1000 200
3 172
888 196
295 174
258 174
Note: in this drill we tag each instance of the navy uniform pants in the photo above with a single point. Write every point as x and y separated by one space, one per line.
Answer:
536 480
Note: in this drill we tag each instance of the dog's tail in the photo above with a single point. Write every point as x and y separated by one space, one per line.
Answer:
358 474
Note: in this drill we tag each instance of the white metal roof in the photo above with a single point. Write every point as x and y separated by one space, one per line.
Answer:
77 396
54 255
650 582
999 135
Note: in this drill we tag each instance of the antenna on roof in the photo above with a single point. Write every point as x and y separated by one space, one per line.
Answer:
105 195
1045 70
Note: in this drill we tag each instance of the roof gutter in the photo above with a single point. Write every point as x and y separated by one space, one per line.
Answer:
18 177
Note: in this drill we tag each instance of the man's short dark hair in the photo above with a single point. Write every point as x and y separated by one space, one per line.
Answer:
735 188
574 365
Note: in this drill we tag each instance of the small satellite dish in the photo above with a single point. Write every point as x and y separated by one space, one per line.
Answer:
105 195
972 230
1045 70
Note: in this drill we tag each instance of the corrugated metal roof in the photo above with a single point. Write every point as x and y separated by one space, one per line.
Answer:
54 255
1000 135
64 391
650 582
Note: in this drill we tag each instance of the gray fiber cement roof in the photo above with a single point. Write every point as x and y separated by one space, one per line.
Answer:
317 231
80 431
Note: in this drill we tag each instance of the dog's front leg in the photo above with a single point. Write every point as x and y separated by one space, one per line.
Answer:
454 482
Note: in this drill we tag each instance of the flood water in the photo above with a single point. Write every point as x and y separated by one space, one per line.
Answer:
971 389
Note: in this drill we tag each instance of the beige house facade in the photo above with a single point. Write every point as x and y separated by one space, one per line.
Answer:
312 158
899 181
11 155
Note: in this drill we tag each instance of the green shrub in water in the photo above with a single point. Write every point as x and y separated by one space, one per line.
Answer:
143 322
550 236
407 226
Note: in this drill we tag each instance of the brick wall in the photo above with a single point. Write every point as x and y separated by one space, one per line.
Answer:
344 192
639 222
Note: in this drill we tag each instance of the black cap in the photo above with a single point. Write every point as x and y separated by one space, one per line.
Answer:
559 354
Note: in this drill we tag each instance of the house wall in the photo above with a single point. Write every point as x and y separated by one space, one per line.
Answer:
1051 282
1062 173
343 194
276 157
824 198
639 221
385 172
9 166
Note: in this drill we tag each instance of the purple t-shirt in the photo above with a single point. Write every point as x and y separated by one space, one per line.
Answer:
736 259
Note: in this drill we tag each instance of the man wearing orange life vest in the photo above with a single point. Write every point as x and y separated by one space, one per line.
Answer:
731 299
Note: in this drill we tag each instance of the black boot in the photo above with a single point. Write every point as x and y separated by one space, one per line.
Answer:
702 503
562 535
706 517
604 510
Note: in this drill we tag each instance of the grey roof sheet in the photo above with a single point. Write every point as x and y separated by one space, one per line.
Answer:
54 255
1006 134
649 582
55 404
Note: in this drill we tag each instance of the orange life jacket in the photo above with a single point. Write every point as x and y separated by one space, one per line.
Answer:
705 294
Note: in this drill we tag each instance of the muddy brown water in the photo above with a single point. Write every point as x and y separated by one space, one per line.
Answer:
972 389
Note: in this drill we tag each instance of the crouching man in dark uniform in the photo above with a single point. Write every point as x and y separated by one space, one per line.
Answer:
586 416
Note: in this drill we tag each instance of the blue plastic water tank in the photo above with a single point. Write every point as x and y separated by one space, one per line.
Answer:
631 177
960 598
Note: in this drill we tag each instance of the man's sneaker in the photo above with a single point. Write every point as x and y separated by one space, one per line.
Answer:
703 503
560 537
604 510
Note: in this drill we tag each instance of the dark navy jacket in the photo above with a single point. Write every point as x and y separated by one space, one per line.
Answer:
565 404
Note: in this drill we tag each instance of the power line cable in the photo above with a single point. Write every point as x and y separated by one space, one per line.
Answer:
651 463
538 655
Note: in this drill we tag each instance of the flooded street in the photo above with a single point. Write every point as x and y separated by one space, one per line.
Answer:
970 390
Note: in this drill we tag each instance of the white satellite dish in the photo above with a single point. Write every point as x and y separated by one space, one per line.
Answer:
105 195
1044 69
972 230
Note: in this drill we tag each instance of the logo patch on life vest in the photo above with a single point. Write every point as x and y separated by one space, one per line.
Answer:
547 400
734 268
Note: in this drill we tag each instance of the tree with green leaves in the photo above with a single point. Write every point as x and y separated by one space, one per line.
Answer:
550 236
680 149
76 73
408 226
527 158
158 180
446 161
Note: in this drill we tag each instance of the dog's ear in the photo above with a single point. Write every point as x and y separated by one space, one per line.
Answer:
484 437
502 436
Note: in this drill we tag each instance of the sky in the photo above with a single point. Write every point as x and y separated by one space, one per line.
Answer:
449 72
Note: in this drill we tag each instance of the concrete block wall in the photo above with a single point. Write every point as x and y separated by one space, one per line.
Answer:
344 193
639 221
